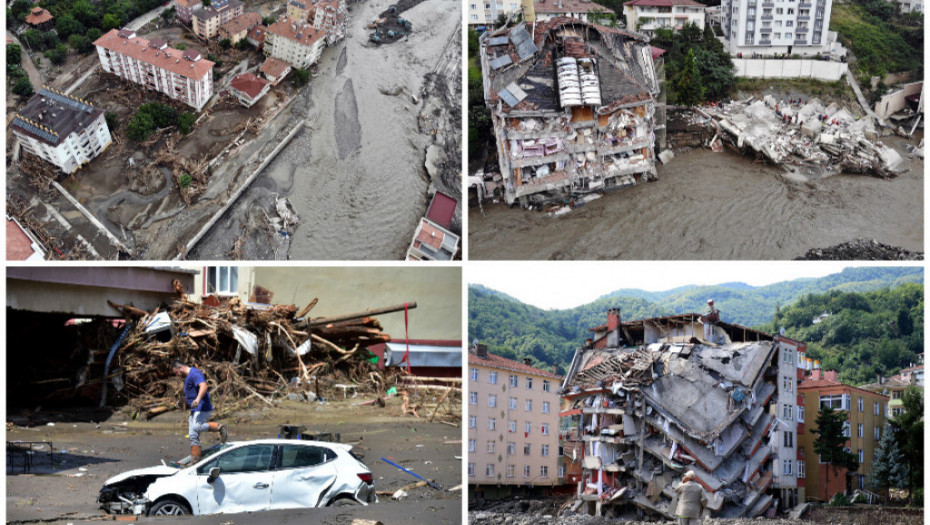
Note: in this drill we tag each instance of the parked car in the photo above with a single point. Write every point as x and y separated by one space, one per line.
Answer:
245 476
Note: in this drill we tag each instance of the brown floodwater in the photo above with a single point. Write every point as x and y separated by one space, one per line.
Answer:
713 206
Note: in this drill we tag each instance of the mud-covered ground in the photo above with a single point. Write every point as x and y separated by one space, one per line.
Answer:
709 205
87 453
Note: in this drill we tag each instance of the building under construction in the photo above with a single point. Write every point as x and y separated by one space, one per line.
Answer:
573 106
645 401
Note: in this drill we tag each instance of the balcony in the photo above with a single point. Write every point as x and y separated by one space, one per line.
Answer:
802 30
766 30
803 17
800 42
767 3
767 17
805 6
765 43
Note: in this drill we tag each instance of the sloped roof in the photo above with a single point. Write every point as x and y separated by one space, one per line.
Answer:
242 22
249 84
494 361
568 6
169 58
274 67
38 16
302 33
665 3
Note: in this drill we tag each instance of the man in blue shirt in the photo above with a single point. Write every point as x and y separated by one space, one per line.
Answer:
198 398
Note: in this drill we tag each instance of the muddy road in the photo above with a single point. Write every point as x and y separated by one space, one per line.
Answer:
66 491
714 206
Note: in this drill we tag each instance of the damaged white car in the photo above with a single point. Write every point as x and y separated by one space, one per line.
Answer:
245 477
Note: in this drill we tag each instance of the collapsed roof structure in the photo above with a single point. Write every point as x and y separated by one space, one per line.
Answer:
573 107
648 400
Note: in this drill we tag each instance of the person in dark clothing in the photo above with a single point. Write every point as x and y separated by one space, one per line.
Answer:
197 396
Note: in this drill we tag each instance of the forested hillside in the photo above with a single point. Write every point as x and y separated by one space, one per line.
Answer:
847 341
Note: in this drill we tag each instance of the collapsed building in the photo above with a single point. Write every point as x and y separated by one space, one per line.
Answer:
645 401
573 107
817 138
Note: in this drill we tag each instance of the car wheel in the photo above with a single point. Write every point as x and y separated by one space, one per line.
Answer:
169 507
344 502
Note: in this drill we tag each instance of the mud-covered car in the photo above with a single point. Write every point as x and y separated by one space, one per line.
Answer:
245 477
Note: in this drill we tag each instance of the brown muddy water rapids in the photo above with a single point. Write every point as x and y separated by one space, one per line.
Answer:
713 206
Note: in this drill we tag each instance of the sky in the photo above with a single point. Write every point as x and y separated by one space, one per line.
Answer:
552 285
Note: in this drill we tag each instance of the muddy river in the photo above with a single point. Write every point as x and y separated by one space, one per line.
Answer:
709 205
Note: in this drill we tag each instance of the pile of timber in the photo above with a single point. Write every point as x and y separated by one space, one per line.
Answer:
248 353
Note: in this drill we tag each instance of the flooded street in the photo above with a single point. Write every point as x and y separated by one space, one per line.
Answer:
715 206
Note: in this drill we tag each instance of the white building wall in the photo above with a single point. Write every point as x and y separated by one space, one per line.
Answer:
481 12
776 26
657 17
198 91
786 407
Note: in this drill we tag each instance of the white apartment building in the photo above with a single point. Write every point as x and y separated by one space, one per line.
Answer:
789 422
513 423
797 27
483 12
645 16
297 43
61 129
181 75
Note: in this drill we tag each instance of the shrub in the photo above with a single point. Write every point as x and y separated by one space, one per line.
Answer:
58 55
839 500
23 87
181 46
14 54
186 122
225 43
185 180
300 77
242 45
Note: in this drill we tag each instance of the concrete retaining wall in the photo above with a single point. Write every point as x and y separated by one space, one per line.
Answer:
773 68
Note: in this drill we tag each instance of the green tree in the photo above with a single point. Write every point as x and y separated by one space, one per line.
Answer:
186 122
34 39
14 54
23 87
112 120
180 46
80 43
20 9
268 20
140 126
225 43
86 13
168 14
242 44
687 86
58 55
889 468
300 77
830 444
93 34
110 21
67 25
910 437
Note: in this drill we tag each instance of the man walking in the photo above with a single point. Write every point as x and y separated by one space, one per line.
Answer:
691 500
198 398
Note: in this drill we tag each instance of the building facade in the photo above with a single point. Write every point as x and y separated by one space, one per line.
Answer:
248 89
584 10
484 12
61 129
768 27
646 16
181 75
298 10
185 8
513 425
329 16
206 22
298 44
238 28
865 420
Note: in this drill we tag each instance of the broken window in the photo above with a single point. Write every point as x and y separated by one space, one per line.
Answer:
526 450
526 471
222 280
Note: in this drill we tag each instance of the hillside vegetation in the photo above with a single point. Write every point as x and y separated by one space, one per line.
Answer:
882 40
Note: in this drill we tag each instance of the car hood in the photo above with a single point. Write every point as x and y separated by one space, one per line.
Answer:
159 470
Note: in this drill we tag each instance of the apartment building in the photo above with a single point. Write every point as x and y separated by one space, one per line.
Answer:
894 387
584 10
185 8
865 419
484 12
573 108
61 129
298 10
181 75
513 424
206 22
238 28
329 16
646 16
776 26
297 43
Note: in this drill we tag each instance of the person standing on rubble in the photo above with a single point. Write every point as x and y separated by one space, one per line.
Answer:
691 500
197 396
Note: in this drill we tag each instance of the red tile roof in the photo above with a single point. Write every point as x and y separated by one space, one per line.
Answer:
169 58
188 3
18 244
441 209
569 6
665 3
257 33
812 384
242 22
38 16
274 67
249 84
494 361
430 235
308 35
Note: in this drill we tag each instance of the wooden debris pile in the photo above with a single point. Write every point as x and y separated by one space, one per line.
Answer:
247 352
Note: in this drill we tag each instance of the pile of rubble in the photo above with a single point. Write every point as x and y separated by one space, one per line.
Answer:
497 518
861 250
807 134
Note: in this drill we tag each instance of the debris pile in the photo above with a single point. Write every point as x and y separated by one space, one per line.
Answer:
499 518
808 135
651 399
861 250
390 26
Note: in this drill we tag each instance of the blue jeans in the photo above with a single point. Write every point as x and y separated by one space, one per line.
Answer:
197 423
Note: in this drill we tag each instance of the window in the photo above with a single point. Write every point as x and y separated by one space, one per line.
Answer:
473 374
545 385
472 445
861 404
526 471
787 383
511 426
561 471
790 11
513 403
834 401
788 36
471 469
786 412
513 381
297 456
489 470
492 423
222 280
472 421
529 383
473 398
875 434
511 471
545 429
528 406
491 445
492 400
512 448
473 7
859 430
492 378
779 11
847 429
800 414
250 458
789 23
786 466
545 450
788 358
526 449
527 427
544 472
545 407
789 439
801 468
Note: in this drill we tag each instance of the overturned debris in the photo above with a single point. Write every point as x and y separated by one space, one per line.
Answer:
861 250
